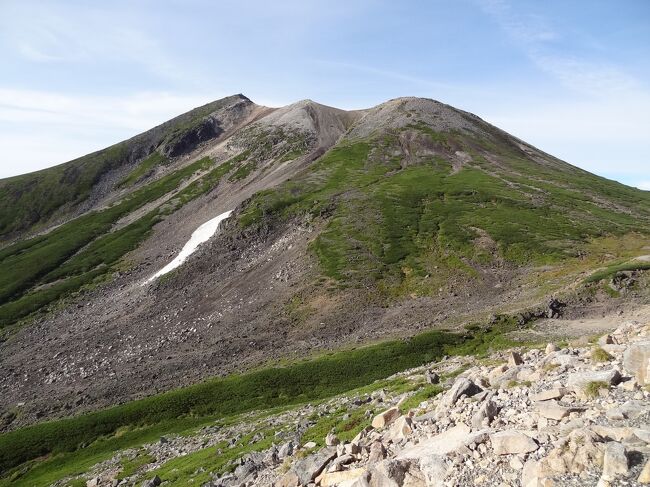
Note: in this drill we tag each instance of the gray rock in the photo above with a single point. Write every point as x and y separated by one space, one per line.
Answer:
616 463
385 418
154 482
462 387
629 410
514 358
636 360
644 476
425 418
242 472
579 380
337 464
605 340
512 442
311 466
286 450
550 348
555 393
486 413
432 377
331 439
377 452
552 410
271 457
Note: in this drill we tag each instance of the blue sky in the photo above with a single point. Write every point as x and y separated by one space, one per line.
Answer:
572 78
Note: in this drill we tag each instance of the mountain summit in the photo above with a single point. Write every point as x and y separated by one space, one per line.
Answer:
346 227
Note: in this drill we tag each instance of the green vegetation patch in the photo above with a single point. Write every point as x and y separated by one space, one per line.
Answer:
33 198
76 253
131 465
425 393
611 271
263 389
144 169
600 355
592 389
408 228
344 429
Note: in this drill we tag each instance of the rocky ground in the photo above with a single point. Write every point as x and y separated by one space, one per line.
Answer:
569 414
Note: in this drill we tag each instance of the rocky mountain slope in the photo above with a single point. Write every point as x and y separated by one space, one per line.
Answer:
567 414
347 227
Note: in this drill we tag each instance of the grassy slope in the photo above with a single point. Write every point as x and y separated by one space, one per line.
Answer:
144 169
30 200
406 229
139 421
33 198
43 269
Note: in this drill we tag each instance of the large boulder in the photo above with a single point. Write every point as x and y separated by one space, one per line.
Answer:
644 476
486 413
533 475
289 479
514 358
311 466
401 428
552 410
629 410
555 393
386 418
511 442
335 478
441 444
331 439
579 380
581 450
462 387
377 452
429 471
615 463
636 360
154 482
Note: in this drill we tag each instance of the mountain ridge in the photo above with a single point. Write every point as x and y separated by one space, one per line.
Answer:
348 228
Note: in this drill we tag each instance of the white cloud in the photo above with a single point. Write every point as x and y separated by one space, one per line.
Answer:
644 185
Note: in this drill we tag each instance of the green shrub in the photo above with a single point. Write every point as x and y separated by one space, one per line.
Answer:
600 355
592 389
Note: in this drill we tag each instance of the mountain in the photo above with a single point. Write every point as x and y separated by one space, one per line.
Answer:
347 227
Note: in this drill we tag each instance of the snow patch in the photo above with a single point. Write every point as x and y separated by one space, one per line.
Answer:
200 235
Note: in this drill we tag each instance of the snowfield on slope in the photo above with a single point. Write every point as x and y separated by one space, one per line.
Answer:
199 236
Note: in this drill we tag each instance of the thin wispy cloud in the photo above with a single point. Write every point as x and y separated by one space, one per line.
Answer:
603 120
66 35
536 37
529 29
